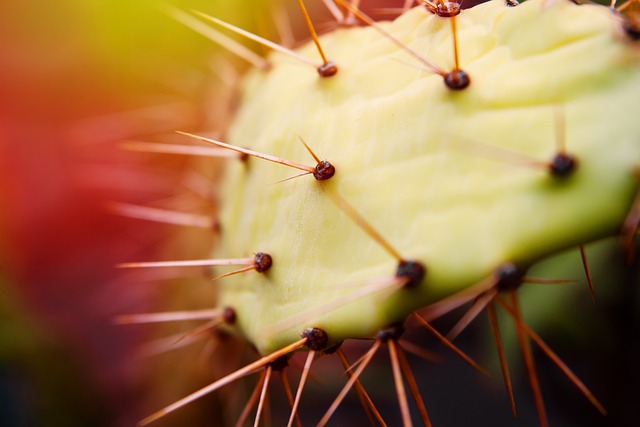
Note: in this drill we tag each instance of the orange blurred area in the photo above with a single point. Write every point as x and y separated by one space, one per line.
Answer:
77 77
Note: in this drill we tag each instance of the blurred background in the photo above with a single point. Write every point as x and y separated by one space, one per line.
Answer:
79 77
76 78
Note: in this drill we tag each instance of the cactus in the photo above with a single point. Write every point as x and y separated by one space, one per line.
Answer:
419 165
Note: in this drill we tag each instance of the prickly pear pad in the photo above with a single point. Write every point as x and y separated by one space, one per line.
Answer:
439 173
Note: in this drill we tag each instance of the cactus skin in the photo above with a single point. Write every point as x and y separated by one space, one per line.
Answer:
412 159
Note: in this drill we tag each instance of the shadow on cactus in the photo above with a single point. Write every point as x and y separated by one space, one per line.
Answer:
388 173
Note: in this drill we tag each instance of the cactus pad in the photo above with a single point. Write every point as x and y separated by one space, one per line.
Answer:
535 156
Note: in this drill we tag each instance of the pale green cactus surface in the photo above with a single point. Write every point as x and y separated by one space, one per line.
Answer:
458 180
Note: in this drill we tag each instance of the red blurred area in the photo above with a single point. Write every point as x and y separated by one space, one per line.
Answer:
75 78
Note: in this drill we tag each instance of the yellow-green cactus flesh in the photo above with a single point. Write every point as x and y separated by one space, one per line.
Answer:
453 179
